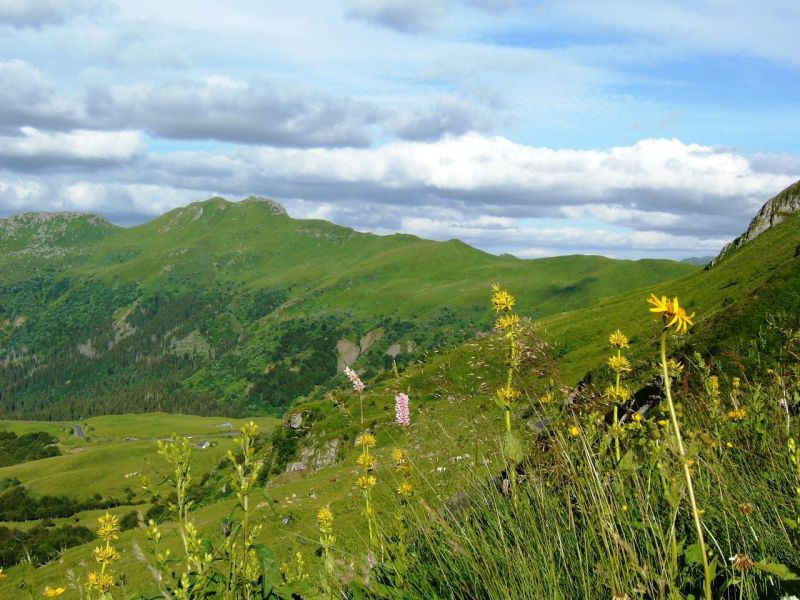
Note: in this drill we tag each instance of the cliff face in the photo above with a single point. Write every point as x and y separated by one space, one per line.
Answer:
772 213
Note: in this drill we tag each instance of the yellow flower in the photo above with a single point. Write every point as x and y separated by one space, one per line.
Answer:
728 445
663 422
507 394
574 431
398 455
618 339
546 398
366 439
637 417
501 299
366 482
405 489
106 554
102 582
109 527
366 461
737 383
624 508
737 415
2 574
507 322
713 384
325 519
673 314
675 367
618 395
53 592
619 364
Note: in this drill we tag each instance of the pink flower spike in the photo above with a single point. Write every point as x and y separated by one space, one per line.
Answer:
401 414
358 385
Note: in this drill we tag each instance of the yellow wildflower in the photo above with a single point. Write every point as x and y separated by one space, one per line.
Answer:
366 439
367 461
637 417
673 314
728 445
546 398
737 415
737 383
2 574
366 482
663 422
619 364
746 508
507 394
325 519
102 582
405 489
624 508
53 592
713 384
574 431
398 455
106 554
675 367
618 339
109 527
619 395
501 299
507 322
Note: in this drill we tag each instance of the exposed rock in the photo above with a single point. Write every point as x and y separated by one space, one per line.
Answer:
393 350
773 212
296 421
410 346
370 338
193 344
348 353
317 458
87 350
296 467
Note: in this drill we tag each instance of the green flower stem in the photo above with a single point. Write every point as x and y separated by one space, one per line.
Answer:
616 413
687 474
512 469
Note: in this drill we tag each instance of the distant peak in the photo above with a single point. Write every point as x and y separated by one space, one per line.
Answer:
774 211
42 218
276 207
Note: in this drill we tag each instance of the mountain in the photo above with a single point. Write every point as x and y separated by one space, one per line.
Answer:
757 278
773 212
237 307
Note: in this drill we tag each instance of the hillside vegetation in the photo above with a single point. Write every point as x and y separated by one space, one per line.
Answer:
237 308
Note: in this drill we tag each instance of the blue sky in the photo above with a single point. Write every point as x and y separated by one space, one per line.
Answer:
625 128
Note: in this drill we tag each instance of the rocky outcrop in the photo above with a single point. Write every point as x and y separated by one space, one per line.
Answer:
773 212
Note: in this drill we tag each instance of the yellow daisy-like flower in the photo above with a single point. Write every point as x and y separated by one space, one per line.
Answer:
501 299
366 439
737 415
507 394
546 398
366 482
619 364
325 519
102 582
106 554
673 314
405 489
53 592
398 455
637 417
574 431
618 395
367 461
507 322
109 527
618 339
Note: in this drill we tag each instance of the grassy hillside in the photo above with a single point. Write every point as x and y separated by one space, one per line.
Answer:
238 308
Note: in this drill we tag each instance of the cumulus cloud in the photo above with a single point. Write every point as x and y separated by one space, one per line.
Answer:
36 150
28 98
656 197
39 13
444 116
407 16
228 109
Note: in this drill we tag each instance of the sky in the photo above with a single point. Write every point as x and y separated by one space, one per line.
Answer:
626 128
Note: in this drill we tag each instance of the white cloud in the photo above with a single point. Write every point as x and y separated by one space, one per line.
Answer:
40 150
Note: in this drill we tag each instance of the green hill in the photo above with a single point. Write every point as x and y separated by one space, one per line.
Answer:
224 307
